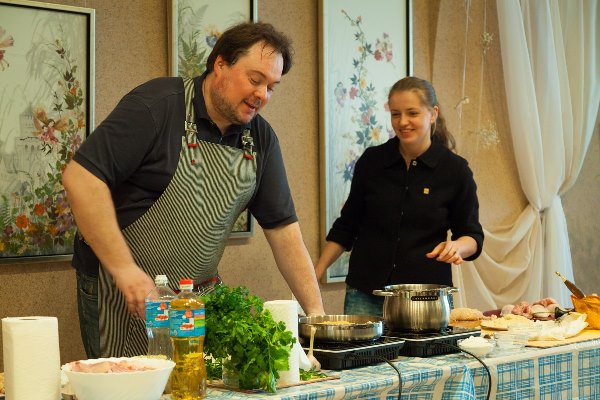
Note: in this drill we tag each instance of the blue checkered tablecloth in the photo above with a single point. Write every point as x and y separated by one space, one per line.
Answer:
557 373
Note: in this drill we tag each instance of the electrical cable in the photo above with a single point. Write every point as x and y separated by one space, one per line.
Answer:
358 357
477 358
371 357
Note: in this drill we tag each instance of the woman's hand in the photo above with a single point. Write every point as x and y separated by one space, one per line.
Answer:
448 252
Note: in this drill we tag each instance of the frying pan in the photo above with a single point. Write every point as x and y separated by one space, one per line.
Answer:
361 328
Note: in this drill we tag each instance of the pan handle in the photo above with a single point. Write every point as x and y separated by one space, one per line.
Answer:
387 293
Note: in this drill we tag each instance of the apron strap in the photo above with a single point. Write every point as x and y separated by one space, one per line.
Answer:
183 234
248 145
191 131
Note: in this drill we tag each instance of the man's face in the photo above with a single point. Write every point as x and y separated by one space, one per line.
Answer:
242 89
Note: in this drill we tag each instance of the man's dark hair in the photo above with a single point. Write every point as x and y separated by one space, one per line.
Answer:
237 40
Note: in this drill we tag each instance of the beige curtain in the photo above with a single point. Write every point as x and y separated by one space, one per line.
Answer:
552 83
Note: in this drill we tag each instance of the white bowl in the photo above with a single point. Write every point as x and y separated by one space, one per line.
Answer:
479 349
135 385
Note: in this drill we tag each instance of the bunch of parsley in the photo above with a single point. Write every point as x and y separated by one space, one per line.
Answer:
239 328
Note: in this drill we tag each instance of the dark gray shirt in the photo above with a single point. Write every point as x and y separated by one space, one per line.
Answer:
135 151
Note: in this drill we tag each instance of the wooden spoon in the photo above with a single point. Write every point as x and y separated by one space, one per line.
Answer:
311 357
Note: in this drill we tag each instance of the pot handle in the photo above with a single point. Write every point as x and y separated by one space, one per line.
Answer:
378 292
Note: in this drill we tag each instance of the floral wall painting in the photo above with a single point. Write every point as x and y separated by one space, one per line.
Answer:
46 111
194 27
364 49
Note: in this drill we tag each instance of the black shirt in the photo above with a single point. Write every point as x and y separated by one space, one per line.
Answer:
135 151
394 216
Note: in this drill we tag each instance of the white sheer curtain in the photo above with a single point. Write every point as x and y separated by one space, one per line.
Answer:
552 84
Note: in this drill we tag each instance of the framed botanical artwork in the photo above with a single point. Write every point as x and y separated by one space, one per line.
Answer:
194 27
363 51
46 111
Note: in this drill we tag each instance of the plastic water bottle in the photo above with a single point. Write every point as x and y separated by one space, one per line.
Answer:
187 328
157 318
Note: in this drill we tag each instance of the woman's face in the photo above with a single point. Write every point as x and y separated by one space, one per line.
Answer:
411 120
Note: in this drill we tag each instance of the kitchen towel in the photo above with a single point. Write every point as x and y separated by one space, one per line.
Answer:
31 358
287 311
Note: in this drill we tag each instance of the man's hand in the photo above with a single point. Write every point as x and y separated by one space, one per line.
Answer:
94 211
135 286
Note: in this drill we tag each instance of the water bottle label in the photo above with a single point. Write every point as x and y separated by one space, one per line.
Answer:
186 323
157 314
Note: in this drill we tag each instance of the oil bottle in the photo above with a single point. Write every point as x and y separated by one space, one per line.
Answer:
187 327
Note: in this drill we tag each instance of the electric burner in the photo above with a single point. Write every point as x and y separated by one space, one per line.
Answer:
430 344
344 355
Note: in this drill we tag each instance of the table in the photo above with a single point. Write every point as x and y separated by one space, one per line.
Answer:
556 373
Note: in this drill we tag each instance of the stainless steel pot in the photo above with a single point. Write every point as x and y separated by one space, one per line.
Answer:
416 307
355 328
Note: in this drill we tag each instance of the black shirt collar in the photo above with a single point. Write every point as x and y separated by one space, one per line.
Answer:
431 157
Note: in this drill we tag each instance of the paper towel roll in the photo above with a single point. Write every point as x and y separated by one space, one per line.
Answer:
287 311
31 358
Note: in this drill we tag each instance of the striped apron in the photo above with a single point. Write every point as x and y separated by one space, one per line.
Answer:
183 234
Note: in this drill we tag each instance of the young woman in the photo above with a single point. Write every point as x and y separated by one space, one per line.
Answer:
405 196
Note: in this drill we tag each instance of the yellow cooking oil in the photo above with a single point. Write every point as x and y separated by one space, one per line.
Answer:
187 328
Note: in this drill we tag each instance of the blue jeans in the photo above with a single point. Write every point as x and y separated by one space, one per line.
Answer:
87 306
359 303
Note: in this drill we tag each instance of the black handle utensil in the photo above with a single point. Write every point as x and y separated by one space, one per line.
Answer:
571 286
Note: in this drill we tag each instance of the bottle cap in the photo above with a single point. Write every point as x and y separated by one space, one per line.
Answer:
186 284
161 280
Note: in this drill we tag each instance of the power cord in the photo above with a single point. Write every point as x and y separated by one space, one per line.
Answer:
359 357
489 389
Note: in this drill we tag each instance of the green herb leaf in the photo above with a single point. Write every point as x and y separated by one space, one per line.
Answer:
312 373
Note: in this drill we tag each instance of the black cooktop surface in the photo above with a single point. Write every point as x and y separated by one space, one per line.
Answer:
433 343
343 355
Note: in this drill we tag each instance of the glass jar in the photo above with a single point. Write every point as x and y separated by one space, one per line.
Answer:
229 375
